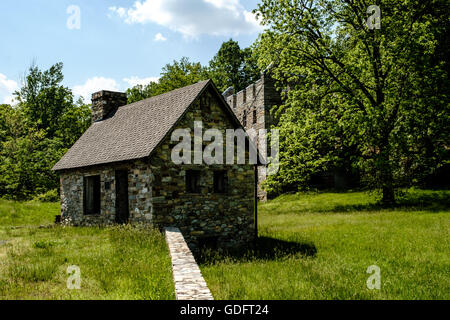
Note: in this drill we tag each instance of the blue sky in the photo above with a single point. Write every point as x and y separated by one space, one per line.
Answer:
115 44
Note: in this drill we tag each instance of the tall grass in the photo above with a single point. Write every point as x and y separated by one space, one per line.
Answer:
115 263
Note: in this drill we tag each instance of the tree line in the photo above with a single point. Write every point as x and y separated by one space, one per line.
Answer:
374 101
47 120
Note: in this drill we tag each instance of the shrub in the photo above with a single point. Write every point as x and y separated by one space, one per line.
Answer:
49 196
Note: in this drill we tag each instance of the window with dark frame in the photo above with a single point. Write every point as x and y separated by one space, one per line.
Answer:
193 181
220 182
92 195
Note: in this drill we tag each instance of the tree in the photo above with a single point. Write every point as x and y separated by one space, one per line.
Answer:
180 74
37 132
378 84
43 99
140 92
173 76
233 67
73 123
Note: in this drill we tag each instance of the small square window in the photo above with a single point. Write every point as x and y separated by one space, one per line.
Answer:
193 181
107 185
220 182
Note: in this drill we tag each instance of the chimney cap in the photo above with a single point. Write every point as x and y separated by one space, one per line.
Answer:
107 93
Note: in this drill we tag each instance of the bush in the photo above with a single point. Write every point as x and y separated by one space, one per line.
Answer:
49 196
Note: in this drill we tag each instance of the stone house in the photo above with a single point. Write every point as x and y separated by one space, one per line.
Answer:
120 170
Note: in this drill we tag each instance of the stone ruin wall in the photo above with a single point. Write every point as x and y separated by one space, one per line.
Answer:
254 103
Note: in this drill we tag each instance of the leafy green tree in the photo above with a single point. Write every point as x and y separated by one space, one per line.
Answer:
180 74
43 99
141 92
173 76
37 132
378 84
233 67
74 122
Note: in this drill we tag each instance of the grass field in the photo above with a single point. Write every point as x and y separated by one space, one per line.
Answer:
311 246
319 246
115 263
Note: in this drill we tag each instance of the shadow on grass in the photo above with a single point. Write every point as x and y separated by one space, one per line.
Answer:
264 248
409 201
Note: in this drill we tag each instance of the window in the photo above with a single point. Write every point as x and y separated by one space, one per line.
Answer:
193 181
205 103
220 182
255 117
244 119
92 195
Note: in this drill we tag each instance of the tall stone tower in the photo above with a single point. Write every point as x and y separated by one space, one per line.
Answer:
252 107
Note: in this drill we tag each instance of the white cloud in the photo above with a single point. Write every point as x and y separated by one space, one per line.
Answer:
159 37
94 85
133 81
192 18
7 88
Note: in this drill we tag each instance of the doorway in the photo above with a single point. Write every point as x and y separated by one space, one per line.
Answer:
122 210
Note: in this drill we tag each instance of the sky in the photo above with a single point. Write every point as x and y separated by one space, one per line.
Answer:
115 44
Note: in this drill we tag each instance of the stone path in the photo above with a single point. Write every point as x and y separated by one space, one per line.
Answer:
189 282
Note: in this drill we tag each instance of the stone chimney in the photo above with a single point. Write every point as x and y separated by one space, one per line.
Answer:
105 102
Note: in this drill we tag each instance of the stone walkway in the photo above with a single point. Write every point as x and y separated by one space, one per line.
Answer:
189 282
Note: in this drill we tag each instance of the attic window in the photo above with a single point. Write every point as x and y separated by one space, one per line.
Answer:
193 181
220 182
91 192
205 103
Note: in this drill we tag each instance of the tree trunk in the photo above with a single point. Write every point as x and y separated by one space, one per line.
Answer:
387 178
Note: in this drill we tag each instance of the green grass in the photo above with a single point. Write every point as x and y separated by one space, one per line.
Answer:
27 213
319 246
115 263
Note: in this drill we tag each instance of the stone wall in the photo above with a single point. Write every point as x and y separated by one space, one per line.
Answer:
157 190
255 103
139 194
225 218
